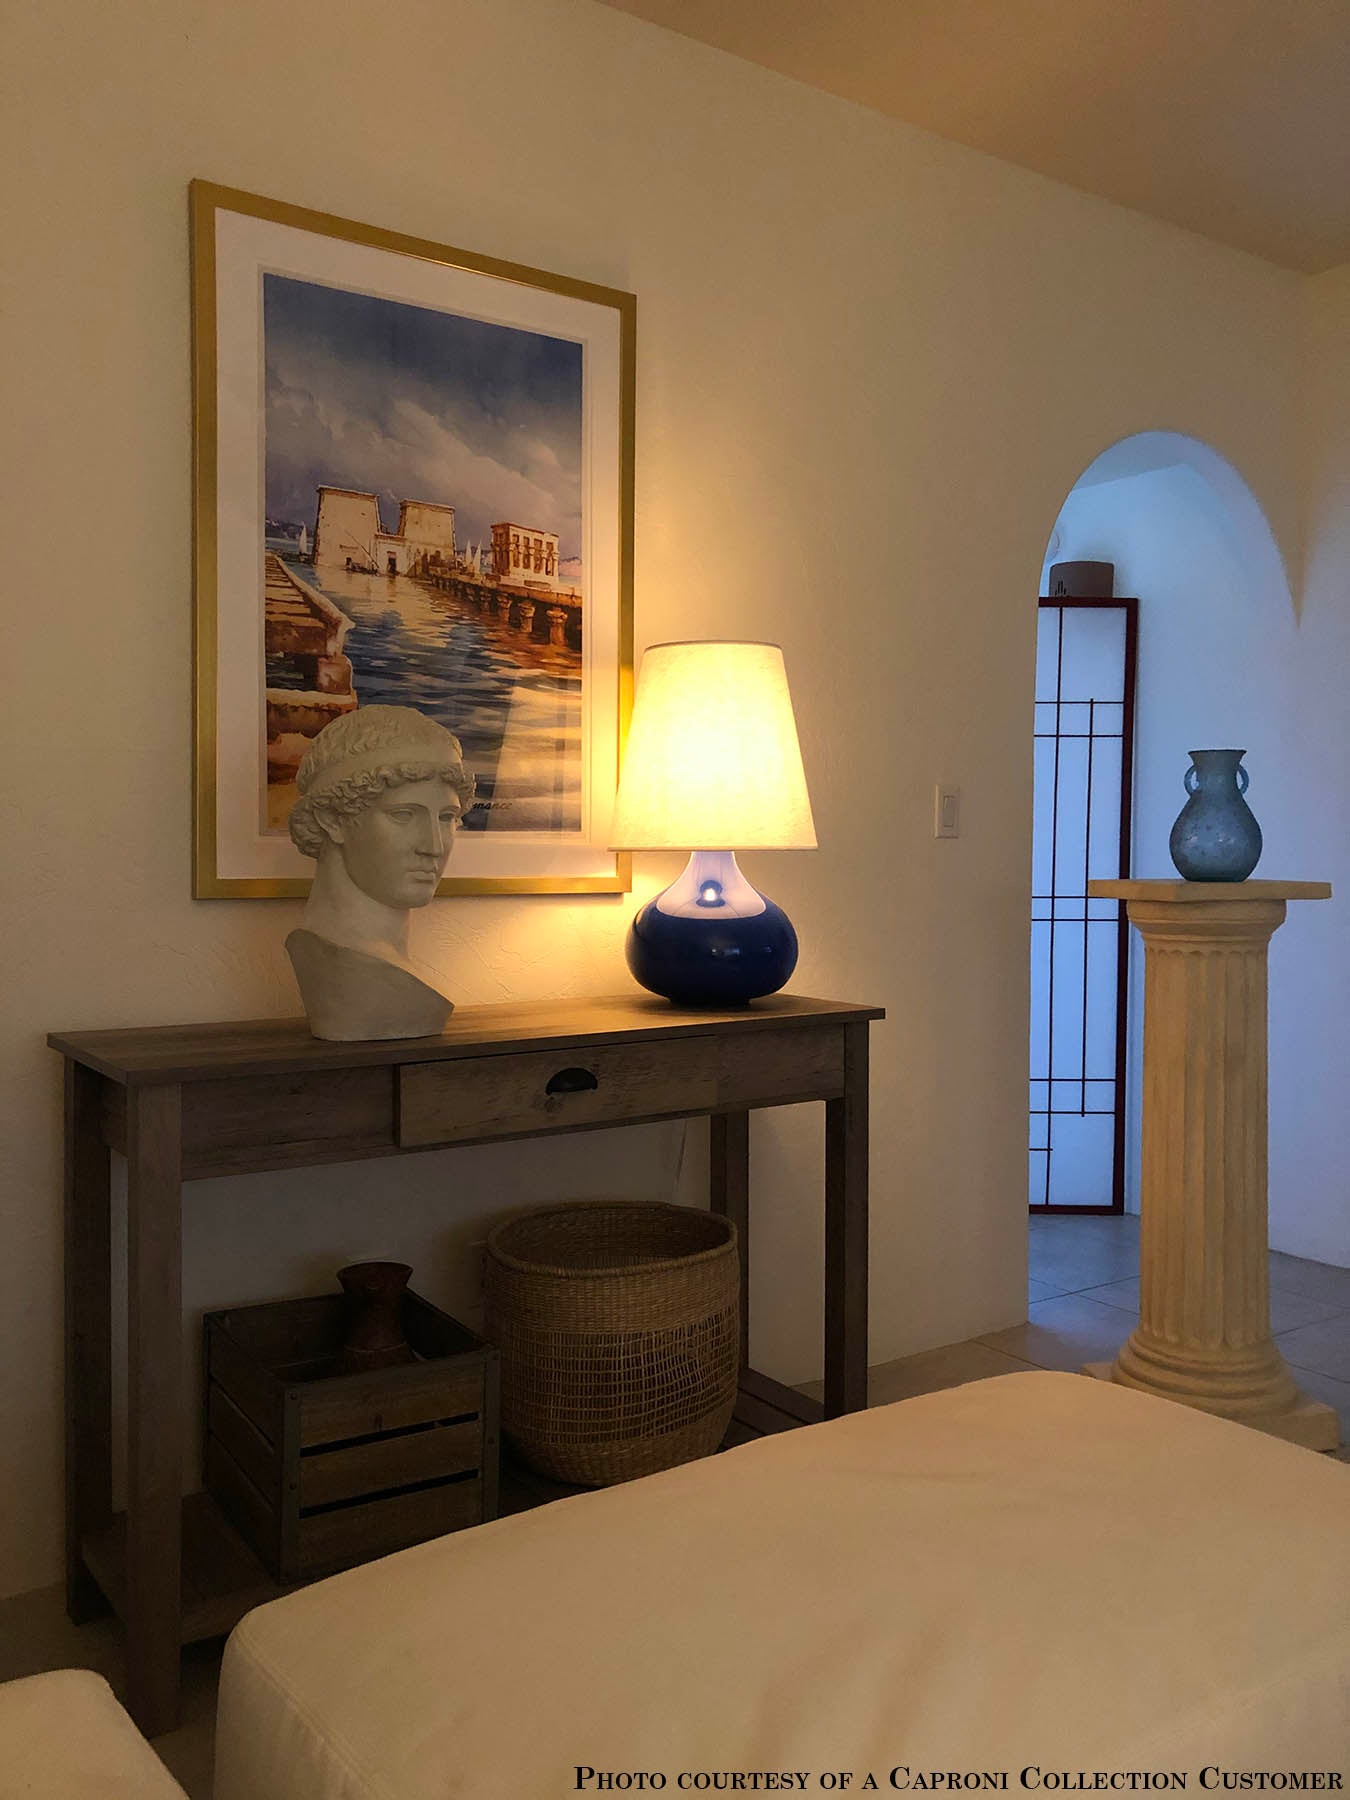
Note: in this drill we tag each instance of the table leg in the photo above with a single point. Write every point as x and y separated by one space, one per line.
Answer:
88 1283
154 1404
729 1171
846 1233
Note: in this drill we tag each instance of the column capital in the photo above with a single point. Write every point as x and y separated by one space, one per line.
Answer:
1197 893
1207 916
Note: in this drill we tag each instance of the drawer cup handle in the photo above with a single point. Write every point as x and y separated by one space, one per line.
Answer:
571 1081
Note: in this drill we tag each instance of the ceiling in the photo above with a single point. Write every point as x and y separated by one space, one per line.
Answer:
1230 117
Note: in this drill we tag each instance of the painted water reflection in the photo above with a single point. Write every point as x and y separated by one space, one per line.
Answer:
514 703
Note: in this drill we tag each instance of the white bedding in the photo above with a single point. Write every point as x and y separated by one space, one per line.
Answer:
63 1736
1039 1571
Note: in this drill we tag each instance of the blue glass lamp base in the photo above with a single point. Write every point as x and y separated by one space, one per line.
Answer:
714 957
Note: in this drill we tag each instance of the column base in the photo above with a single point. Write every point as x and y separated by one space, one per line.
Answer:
1308 1422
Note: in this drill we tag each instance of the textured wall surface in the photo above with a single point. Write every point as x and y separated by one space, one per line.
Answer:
1310 1037
871 365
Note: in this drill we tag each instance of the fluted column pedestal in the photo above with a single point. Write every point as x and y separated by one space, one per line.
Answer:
1204 1305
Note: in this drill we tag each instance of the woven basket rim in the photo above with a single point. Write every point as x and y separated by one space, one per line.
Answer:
618 1271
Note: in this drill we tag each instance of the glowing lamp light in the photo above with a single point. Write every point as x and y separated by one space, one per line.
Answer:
712 759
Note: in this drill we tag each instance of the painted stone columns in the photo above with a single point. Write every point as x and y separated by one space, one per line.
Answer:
1204 1308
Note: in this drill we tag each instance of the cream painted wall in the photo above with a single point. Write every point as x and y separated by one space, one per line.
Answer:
1310 1046
860 348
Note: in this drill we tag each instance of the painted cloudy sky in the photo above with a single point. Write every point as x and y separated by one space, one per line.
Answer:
413 404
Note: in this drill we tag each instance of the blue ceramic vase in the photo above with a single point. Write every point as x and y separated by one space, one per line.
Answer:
1215 837
712 940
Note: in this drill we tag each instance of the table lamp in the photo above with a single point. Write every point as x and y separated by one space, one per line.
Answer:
712 759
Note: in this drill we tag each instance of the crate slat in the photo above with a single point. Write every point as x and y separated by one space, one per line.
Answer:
433 1333
246 1444
390 1462
332 1540
252 1514
252 1387
387 1399
285 1331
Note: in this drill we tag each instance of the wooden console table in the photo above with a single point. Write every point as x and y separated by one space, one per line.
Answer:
184 1102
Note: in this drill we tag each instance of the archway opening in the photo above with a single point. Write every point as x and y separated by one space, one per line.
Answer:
1190 543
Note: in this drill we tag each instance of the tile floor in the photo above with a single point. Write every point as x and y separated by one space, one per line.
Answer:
1084 1271
1083 1301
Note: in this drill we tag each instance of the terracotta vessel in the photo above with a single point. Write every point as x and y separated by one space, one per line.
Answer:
374 1331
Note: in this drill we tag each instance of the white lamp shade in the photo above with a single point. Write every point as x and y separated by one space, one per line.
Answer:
712 761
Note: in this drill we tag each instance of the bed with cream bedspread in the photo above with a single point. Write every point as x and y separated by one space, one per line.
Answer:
1037 1571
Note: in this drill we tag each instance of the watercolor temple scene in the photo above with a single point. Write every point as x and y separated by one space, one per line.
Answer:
468 605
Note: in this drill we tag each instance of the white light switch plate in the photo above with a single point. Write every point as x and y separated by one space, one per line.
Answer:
946 811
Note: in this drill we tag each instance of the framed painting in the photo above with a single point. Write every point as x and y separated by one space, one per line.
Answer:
413 485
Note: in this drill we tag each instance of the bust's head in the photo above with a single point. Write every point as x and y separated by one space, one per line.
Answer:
382 788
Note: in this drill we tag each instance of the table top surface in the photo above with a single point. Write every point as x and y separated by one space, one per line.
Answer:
1194 891
164 1053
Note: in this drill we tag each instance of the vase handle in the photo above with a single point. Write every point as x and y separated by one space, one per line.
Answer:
1192 779
1243 779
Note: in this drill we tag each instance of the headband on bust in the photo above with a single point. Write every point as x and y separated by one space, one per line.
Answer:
373 738
390 755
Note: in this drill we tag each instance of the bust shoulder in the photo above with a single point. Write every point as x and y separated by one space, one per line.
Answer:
351 996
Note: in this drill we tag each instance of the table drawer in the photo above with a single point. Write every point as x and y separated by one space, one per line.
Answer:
467 1100
554 1090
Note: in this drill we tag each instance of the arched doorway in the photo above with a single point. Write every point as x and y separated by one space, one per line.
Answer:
1190 541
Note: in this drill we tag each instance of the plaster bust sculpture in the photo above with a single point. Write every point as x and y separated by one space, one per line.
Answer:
381 792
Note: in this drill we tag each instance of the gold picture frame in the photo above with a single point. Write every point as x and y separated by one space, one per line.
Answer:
265 272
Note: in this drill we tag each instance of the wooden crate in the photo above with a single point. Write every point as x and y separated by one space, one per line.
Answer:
319 1470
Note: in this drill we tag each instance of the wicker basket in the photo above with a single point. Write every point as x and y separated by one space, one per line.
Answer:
618 1327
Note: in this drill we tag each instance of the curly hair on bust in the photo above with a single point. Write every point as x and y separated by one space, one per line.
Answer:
346 799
